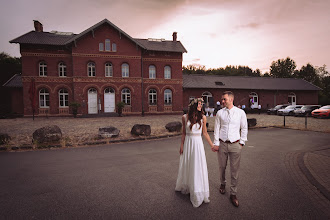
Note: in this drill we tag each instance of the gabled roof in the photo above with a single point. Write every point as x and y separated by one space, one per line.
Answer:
14 81
104 21
164 45
42 38
58 39
245 82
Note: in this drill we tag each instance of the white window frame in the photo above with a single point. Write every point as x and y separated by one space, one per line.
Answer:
168 97
152 97
114 47
207 95
107 45
42 68
167 72
126 96
91 69
43 98
152 72
125 70
101 47
108 70
62 69
63 98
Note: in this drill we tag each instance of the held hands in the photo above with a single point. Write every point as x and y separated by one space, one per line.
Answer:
215 148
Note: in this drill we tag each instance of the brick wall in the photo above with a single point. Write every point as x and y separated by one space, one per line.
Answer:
267 99
77 82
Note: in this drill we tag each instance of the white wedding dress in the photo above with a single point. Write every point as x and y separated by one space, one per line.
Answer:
193 175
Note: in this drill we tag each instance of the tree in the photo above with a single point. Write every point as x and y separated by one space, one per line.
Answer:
266 74
322 71
9 66
282 68
308 73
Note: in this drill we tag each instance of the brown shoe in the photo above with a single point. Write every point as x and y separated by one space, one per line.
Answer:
234 200
222 189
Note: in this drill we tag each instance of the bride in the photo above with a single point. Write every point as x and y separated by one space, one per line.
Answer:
193 176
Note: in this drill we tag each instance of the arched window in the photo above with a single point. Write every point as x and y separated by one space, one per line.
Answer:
107 45
63 98
207 96
42 68
91 69
152 72
92 91
168 97
108 70
125 70
62 69
109 90
43 98
152 97
167 72
126 96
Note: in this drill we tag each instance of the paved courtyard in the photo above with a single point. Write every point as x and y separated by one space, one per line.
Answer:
136 181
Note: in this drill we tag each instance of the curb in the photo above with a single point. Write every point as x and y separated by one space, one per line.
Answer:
92 143
324 191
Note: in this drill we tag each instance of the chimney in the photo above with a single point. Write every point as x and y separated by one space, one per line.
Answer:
38 26
174 36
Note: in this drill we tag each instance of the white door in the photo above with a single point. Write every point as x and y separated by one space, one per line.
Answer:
109 100
254 100
292 99
92 101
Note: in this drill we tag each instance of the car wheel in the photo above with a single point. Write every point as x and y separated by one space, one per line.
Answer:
291 113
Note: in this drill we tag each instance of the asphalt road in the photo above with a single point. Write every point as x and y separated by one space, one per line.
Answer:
137 180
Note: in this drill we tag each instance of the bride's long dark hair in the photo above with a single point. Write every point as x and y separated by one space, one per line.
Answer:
195 116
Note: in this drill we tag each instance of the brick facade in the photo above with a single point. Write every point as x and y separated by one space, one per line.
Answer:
266 98
77 82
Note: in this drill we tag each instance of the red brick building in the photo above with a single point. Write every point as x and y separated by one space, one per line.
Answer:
98 68
265 91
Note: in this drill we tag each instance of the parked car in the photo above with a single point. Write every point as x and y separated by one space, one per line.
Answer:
323 112
306 110
275 109
288 110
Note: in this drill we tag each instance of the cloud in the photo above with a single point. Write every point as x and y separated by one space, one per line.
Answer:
252 25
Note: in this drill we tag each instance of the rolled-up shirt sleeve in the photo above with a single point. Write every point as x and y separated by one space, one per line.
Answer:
217 129
244 128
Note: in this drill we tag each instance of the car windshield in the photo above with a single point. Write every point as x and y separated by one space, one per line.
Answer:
305 107
289 107
278 106
325 107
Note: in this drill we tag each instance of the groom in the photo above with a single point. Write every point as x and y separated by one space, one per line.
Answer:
230 134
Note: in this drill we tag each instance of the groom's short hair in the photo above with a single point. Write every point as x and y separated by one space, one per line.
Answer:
229 93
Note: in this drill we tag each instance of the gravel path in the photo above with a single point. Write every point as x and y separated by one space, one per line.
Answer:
79 130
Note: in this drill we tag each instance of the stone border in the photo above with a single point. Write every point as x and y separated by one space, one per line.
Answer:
104 142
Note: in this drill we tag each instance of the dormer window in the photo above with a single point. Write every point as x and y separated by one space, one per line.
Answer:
107 45
114 47
101 47
219 83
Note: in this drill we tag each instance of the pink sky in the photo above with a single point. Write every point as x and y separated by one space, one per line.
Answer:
215 33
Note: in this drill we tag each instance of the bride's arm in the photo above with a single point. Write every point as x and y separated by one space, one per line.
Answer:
205 134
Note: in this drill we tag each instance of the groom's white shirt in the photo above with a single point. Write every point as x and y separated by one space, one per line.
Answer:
230 125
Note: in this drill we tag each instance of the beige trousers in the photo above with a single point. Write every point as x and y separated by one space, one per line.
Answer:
233 152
